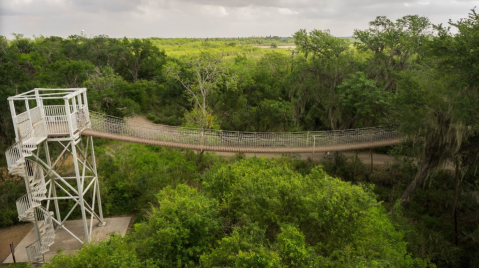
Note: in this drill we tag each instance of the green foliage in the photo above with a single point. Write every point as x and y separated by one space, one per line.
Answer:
404 72
319 43
348 169
66 73
11 188
226 47
292 247
183 226
257 213
341 222
115 252
367 103
205 75
394 46
131 175
315 79
427 224
245 247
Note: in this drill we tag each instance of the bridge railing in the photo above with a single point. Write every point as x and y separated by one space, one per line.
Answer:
210 137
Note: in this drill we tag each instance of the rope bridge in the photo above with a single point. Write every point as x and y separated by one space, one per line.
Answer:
114 128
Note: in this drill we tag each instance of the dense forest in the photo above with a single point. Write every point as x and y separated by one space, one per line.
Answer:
212 212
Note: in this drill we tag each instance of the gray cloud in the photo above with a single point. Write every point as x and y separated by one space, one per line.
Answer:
107 5
202 18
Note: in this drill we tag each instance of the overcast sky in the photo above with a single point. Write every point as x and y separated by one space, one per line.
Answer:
211 18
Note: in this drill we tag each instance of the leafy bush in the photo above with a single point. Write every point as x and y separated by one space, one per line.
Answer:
115 252
342 222
183 226
245 247
257 213
131 175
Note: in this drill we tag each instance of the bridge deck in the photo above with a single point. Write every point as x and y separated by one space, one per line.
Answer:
241 149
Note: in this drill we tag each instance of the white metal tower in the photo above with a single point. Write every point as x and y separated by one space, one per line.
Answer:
48 124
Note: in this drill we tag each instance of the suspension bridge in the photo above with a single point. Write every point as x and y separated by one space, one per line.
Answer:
62 117
114 128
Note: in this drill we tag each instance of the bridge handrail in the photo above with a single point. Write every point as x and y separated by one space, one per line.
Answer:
210 137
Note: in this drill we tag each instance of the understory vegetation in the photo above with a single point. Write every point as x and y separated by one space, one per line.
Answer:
200 210
240 213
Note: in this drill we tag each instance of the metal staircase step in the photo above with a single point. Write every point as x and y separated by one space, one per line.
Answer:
17 173
28 217
40 193
35 181
38 187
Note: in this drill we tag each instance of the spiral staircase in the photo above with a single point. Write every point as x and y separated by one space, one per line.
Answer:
29 206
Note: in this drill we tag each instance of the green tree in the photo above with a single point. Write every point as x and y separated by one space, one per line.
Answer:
66 73
141 59
342 224
328 61
201 77
393 46
363 103
437 103
183 226
245 247
115 252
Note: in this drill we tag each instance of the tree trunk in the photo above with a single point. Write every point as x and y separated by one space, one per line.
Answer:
200 155
454 208
335 157
429 164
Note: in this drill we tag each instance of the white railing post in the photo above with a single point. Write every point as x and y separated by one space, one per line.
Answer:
14 118
42 110
74 103
74 114
27 106
69 118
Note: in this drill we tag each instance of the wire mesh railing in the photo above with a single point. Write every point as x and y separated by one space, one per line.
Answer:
40 130
213 138
45 228
25 205
33 252
35 114
20 118
14 154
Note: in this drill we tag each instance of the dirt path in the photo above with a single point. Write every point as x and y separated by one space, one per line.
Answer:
378 159
13 234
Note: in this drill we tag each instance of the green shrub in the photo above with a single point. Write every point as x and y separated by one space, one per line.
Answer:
181 227
115 252
292 247
11 188
151 117
245 247
131 174
342 222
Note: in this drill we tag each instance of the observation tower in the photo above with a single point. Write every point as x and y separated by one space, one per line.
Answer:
57 165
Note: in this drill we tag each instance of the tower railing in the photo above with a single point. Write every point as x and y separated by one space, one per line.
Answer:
33 252
25 205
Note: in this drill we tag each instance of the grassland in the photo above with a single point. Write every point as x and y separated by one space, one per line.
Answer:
228 48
